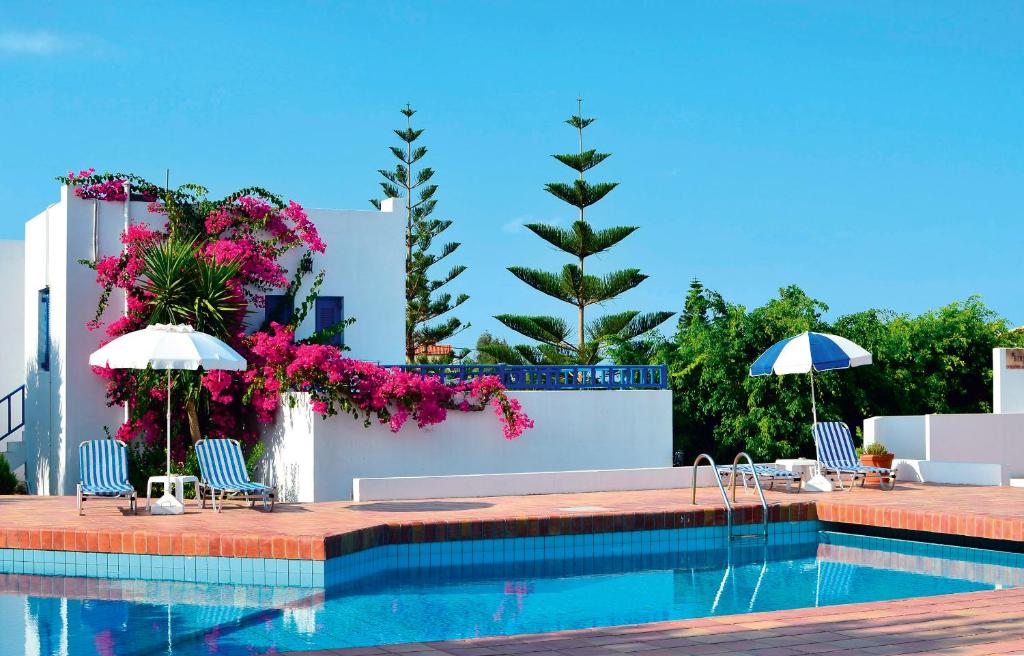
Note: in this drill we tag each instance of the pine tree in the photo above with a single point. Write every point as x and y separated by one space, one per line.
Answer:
424 300
574 284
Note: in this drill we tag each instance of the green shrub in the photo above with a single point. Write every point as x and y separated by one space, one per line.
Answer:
8 481
144 461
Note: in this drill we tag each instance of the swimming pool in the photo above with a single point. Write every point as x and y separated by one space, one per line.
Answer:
634 579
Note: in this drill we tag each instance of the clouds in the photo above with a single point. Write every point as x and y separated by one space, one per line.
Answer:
42 43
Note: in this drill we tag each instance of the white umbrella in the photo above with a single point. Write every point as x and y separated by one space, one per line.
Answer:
164 346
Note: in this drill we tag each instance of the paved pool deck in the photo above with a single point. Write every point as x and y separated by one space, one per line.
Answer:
318 531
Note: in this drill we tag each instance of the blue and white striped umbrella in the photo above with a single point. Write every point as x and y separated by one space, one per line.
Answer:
798 354
809 352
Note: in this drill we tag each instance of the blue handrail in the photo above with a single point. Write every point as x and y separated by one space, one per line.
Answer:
552 377
9 401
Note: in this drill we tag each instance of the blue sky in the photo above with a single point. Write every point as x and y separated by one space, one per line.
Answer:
872 153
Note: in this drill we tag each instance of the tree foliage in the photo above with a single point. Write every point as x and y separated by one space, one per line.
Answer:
937 362
575 284
425 301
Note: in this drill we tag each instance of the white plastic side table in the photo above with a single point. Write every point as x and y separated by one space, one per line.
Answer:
803 466
177 484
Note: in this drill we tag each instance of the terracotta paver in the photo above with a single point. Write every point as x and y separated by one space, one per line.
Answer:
973 623
324 530
984 512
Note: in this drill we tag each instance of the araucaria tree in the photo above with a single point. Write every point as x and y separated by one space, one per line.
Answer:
425 302
575 284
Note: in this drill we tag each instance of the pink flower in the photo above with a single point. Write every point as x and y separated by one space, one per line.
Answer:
256 234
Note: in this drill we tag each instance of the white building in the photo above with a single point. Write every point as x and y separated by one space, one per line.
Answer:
65 401
309 458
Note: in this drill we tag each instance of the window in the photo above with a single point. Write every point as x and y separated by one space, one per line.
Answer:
330 311
43 342
279 308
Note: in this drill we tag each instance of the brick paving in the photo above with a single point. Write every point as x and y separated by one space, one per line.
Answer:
968 624
324 530
982 512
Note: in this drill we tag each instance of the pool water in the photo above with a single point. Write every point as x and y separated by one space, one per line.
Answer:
73 616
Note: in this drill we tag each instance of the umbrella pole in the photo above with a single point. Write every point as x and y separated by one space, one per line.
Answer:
168 504
167 487
814 414
814 401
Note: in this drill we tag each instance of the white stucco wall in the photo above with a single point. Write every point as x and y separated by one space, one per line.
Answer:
950 473
945 444
902 435
365 264
978 438
12 300
1007 381
65 406
313 459
562 482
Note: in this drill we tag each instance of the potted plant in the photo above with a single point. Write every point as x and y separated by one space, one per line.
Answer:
875 455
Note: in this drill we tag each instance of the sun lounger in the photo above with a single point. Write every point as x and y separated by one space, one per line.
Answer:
103 472
838 458
223 473
766 473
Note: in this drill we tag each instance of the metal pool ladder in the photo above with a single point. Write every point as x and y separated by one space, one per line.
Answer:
725 497
718 479
757 484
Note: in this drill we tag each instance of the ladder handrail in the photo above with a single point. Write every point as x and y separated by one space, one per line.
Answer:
718 479
757 484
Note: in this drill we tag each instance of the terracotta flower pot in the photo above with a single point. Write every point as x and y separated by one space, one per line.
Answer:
876 461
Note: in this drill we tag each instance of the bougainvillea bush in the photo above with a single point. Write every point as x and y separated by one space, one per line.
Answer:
206 262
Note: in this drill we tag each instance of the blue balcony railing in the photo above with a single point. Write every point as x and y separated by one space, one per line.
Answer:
15 402
552 377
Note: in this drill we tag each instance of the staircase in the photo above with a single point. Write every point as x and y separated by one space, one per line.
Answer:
12 421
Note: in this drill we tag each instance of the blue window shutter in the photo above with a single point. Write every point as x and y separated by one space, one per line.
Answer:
279 308
330 311
43 345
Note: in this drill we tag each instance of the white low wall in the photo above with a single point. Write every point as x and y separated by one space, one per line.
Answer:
961 448
951 473
903 435
496 485
997 439
313 459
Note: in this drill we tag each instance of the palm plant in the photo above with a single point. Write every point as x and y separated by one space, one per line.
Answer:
183 288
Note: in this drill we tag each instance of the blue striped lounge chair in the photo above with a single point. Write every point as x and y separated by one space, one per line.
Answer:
766 473
837 457
103 472
222 469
